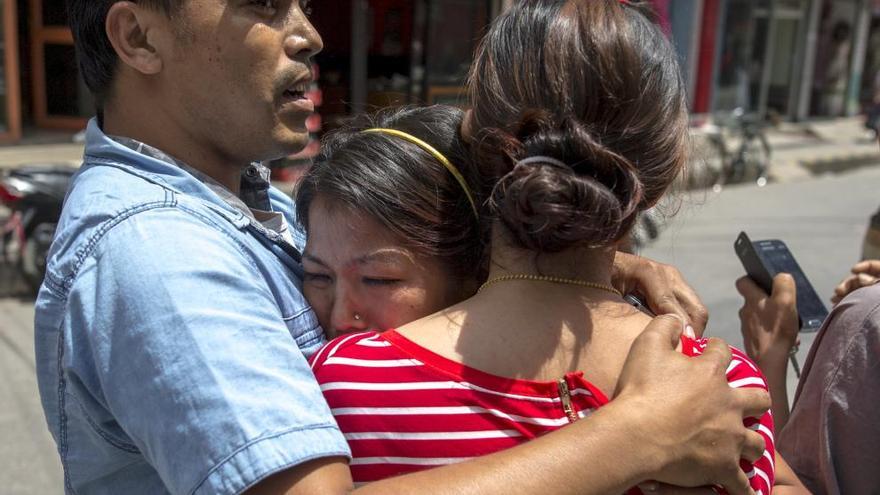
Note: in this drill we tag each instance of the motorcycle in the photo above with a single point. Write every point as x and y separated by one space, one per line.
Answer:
34 195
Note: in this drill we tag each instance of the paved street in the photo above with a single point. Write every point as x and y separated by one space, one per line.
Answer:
822 220
28 461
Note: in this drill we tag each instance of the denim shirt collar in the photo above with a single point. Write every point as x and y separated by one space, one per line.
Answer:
157 166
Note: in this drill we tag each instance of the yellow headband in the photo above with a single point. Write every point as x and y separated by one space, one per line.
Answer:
436 154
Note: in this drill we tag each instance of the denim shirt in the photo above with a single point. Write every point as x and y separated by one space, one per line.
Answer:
171 336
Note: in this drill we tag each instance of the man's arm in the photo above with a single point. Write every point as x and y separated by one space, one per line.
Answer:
674 419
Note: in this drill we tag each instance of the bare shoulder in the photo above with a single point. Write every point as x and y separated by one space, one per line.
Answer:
438 332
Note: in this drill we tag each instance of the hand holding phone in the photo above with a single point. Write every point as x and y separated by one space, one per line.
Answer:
764 259
769 323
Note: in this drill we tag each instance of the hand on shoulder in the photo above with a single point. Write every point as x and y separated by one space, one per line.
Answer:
691 418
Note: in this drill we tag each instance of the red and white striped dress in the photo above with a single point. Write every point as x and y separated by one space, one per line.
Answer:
404 408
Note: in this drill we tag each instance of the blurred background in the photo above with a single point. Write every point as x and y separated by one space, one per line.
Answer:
784 95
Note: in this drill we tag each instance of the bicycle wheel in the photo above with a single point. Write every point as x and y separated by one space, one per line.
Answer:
756 158
711 168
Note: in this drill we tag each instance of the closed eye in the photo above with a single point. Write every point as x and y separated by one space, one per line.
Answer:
317 278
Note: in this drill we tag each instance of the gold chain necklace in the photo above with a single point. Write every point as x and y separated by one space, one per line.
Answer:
554 280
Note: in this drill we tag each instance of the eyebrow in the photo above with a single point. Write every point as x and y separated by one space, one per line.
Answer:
389 256
314 259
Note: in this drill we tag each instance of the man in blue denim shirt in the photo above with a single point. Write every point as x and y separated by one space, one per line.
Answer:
171 333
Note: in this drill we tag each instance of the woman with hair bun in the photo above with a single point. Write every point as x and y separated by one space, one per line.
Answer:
578 123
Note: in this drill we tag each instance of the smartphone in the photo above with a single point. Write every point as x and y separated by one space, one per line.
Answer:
763 260
637 302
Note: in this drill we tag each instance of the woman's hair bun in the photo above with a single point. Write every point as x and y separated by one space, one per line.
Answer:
594 84
550 202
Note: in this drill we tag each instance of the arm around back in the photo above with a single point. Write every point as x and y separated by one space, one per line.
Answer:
674 419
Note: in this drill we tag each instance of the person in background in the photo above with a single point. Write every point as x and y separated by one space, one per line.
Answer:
836 75
871 81
831 434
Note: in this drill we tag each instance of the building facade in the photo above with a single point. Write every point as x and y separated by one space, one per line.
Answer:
40 85
795 59
791 59
389 52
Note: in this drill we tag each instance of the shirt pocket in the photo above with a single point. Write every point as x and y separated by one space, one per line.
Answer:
95 422
301 322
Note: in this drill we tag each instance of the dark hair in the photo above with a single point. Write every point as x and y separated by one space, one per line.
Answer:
594 84
401 185
96 56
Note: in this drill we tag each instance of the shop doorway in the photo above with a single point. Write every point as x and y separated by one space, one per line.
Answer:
381 53
59 96
761 56
785 30
40 85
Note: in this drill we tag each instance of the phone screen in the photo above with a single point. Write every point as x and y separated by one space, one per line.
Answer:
778 259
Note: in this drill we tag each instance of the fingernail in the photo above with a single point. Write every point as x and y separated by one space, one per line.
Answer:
689 331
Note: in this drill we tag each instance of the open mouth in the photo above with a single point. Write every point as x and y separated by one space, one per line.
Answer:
295 98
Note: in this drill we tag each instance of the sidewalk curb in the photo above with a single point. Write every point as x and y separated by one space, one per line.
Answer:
841 162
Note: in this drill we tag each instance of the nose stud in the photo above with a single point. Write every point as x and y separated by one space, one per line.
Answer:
357 317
